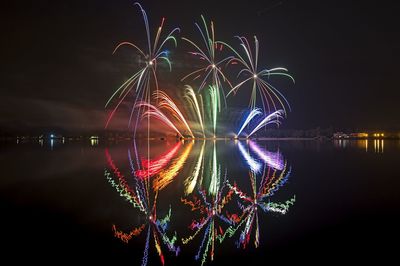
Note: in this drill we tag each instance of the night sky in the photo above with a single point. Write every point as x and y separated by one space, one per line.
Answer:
58 70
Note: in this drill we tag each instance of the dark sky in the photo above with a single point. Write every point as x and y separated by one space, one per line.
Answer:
57 68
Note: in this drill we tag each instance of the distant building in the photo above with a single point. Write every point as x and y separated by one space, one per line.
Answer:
340 135
358 135
378 135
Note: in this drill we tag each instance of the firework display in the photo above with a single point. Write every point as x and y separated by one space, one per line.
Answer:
143 80
211 77
269 94
221 208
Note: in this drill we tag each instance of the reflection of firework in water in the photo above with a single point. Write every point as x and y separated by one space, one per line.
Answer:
210 193
207 193
254 165
212 216
272 159
139 195
270 181
166 176
152 167
193 178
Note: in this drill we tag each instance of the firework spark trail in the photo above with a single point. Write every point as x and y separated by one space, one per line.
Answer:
166 168
165 102
156 113
192 98
273 159
252 114
269 119
212 69
254 165
252 74
130 82
141 80
214 107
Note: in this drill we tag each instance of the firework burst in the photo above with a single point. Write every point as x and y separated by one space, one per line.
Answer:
145 78
211 70
271 98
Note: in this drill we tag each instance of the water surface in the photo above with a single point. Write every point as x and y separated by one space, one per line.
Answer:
62 200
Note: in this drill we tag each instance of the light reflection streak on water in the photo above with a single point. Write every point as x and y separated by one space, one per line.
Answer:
191 181
215 173
273 159
253 164
166 176
154 166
